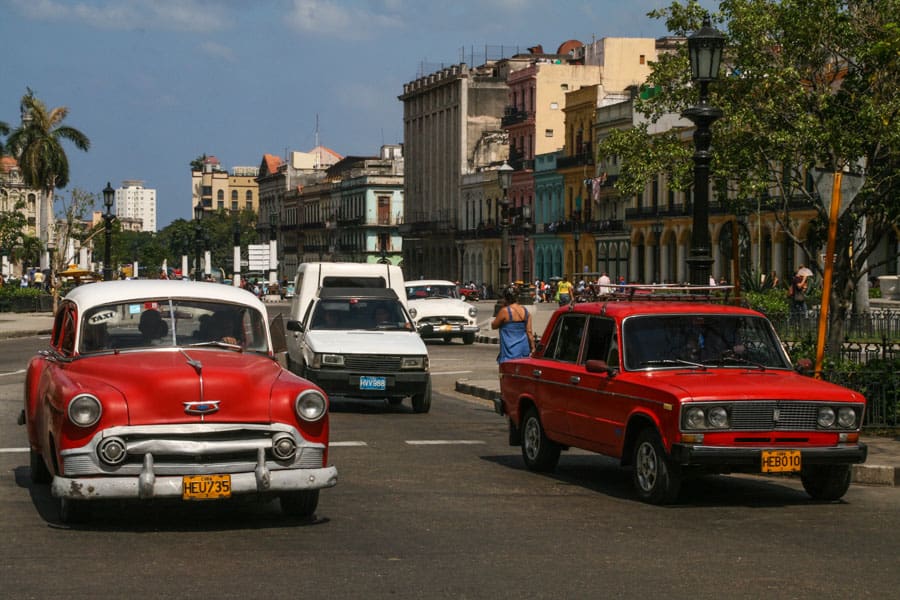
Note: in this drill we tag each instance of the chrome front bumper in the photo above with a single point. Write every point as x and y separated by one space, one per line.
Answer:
149 485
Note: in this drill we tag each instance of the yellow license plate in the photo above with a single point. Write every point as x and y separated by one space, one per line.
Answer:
780 461
205 487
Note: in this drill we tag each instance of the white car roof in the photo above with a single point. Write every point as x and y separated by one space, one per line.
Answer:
106 292
421 282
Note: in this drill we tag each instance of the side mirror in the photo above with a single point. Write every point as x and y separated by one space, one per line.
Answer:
600 366
294 325
804 366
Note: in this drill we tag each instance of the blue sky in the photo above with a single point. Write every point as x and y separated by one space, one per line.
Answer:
155 84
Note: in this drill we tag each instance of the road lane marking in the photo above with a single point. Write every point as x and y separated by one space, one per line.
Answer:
12 450
444 442
450 372
19 372
347 444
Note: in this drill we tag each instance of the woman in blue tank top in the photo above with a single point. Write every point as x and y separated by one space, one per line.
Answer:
514 323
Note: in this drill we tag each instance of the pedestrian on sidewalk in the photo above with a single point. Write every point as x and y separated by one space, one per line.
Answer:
514 322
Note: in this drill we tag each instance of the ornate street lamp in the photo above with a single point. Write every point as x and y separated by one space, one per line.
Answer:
576 235
198 239
273 247
504 179
705 49
526 297
236 252
109 195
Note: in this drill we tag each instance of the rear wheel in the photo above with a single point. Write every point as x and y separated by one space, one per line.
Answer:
39 471
299 504
539 452
656 480
421 402
826 482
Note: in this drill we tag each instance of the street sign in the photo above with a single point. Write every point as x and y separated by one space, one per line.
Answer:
258 255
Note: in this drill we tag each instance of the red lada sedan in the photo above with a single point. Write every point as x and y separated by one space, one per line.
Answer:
156 389
675 388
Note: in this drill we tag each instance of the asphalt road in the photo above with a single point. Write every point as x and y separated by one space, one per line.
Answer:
439 506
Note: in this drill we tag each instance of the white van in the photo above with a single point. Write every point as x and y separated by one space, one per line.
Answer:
313 276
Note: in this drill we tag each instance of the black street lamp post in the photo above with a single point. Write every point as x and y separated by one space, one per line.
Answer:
198 239
576 235
108 196
526 251
705 48
504 178
657 229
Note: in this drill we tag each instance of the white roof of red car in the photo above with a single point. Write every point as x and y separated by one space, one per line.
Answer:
107 292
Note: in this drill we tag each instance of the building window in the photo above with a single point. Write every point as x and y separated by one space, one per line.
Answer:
642 60
564 87
554 106
548 133
220 196
234 205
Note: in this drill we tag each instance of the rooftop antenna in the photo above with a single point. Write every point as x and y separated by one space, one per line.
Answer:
318 151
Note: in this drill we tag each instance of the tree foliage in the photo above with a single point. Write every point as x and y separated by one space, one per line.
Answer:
805 83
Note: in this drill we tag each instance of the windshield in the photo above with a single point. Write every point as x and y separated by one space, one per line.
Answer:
170 323
700 341
417 292
359 313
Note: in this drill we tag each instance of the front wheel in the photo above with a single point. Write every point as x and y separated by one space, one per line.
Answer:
299 504
421 402
72 511
39 471
826 482
468 339
540 453
656 480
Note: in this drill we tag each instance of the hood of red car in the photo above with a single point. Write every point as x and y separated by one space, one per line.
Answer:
741 384
165 386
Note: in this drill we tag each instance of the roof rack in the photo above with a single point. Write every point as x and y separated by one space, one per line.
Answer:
662 292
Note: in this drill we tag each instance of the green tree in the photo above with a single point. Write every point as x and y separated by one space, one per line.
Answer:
37 145
197 163
808 82
4 130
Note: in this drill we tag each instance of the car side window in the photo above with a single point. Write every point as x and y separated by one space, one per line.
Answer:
67 339
599 338
568 334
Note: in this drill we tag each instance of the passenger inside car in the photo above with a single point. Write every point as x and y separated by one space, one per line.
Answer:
152 327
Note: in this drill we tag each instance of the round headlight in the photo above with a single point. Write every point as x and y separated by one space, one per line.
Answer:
413 312
695 418
846 417
84 410
310 405
826 417
718 417
473 312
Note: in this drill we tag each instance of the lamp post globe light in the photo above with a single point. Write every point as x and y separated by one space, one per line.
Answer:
109 195
705 48
198 239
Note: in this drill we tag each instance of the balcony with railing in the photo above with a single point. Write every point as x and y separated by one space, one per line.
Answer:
512 116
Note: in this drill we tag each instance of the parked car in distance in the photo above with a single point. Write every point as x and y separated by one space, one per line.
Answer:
674 388
440 312
171 389
360 343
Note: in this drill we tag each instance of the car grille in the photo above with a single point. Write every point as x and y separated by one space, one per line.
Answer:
371 362
443 321
175 452
761 416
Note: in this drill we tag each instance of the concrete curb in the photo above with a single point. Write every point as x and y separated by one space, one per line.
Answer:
865 474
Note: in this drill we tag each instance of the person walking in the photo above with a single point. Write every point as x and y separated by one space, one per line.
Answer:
514 322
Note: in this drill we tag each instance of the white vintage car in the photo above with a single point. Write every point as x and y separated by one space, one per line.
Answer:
438 303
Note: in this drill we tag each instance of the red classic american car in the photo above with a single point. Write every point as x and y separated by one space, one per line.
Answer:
674 387
154 389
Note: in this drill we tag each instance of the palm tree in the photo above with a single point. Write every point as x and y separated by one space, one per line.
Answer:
37 145
4 129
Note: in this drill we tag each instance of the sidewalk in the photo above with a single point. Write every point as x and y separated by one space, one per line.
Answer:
882 467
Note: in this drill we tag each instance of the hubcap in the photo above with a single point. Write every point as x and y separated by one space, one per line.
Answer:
646 467
532 438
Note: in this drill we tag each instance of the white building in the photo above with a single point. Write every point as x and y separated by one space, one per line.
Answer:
134 201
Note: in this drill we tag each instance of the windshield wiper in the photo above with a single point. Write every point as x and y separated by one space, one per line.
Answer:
672 361
218 344
737 359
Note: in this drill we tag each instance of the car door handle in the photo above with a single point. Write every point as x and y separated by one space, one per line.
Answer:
536 373
575 379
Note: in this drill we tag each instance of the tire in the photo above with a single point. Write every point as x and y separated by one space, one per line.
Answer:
656 480
826 482
540 453
39 472
468 339
421 403
448 339
395 401
72 511
299 504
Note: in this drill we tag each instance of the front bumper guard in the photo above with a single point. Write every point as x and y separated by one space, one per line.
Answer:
696 455
148 485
